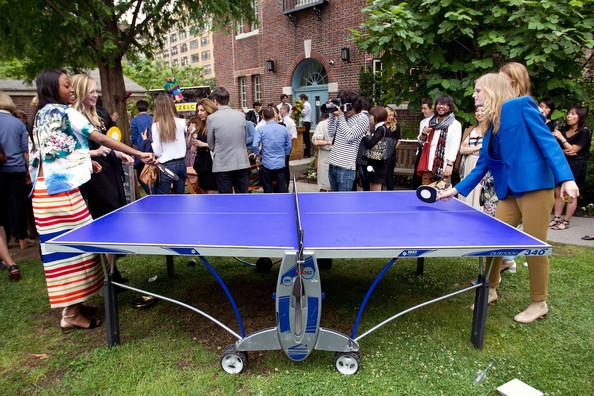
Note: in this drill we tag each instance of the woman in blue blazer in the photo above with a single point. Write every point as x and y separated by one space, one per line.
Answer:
527 164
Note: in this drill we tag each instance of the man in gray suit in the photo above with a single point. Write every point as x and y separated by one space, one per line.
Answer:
227 138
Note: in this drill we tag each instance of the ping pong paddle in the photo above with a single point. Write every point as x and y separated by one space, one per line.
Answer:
167 172
427 194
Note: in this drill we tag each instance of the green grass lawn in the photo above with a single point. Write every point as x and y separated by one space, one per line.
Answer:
167 350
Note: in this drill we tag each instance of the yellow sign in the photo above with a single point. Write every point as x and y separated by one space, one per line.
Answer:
185 106
115 133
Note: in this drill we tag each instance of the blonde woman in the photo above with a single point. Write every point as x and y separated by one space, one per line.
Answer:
104 193
526 163
393 132
169 145
517 75
203 161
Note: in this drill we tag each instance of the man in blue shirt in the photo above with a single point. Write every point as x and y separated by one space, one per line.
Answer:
140 123
273 141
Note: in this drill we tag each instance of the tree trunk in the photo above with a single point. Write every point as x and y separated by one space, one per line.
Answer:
113 93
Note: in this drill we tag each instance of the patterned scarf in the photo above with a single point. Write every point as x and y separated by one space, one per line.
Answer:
441 143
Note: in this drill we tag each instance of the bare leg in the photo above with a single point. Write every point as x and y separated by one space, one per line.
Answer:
4 252
375 186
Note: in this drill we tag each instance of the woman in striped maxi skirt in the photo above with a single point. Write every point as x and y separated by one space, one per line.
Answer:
59 164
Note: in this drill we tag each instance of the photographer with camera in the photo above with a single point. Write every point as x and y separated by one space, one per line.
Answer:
347 126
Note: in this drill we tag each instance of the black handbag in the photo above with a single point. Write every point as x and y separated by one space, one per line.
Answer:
382 150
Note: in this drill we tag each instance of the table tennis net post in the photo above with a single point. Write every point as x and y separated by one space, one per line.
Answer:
298 217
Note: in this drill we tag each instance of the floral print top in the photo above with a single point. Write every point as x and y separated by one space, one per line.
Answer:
60 143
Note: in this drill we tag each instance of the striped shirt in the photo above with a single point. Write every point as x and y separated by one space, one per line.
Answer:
347 136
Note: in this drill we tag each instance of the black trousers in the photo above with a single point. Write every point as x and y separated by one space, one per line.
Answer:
270 175
306 140
13 203
233 180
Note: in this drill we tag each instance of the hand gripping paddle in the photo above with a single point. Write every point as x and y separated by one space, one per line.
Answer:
429 192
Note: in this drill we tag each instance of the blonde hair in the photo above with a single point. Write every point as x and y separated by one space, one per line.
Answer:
391 126
520 79
6 102
164 117
83 85
210 107
496 90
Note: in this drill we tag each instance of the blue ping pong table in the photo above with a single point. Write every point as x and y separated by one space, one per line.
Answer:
299 228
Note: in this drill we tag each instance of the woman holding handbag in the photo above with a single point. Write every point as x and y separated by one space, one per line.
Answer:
379 148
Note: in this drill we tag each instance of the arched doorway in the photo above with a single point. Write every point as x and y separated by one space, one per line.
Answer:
310 78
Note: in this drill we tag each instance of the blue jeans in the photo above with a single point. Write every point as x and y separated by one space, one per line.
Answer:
164 185
341 179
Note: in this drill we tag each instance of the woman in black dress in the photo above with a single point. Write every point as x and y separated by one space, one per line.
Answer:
203 160
376 168
104 193
393 132
574 139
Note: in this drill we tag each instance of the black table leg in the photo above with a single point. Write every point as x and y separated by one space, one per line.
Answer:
170 270
479 317
420 265
111 312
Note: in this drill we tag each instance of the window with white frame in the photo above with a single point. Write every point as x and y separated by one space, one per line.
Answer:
195 58
205 55
183 48
184 61
194 44
175 62
182 34
174 50
256 83
243 92
207 70
204 41
173 38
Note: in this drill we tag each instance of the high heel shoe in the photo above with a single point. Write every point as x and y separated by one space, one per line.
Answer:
535 311
67 326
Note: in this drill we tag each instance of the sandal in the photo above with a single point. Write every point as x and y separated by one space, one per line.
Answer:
14 272
68 326
562 225
556 220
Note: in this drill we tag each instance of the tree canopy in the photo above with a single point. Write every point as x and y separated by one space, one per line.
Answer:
152 74
100 33
432 47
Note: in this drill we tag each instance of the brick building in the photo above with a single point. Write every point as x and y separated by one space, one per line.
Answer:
297 46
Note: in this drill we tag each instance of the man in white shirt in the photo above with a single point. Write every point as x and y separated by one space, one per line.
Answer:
284 98
285 110
306 117
427 110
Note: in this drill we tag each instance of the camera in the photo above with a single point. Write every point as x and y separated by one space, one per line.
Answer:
334 105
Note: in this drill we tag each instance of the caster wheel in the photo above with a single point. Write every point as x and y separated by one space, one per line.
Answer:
233 361
192 263
263 265
324 263
347 363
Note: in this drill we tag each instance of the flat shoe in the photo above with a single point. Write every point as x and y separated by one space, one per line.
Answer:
67 327
588 238
143 302
535 311
14 272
